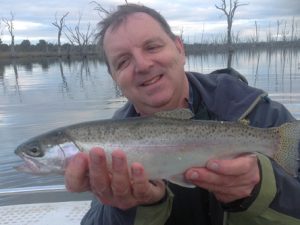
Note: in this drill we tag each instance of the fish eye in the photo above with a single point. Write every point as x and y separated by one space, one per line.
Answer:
35 151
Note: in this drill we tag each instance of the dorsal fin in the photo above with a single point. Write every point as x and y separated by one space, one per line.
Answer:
181 114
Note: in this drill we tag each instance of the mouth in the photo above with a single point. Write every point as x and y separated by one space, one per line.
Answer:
28 166
152 81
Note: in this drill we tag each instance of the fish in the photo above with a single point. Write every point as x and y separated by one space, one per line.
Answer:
166 144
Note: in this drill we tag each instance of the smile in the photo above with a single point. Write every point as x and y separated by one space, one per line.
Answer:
152 81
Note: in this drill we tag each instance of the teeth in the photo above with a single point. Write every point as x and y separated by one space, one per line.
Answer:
152 81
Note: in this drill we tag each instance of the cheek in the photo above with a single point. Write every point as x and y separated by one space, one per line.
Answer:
123 80
173 60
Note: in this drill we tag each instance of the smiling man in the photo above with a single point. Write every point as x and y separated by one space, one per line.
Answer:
147 62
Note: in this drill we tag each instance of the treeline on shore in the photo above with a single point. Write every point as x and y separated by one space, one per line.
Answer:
199 48
42 48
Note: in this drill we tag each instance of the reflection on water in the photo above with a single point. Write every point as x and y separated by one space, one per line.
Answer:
38 95
276 72
42 95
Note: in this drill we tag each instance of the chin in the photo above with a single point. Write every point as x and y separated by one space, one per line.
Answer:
159 102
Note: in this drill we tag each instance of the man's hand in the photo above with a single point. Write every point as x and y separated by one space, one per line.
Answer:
118 187
229 180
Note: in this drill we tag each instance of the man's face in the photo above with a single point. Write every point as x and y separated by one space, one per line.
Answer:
147 64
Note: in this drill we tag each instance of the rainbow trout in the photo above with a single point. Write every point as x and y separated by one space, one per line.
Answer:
167 143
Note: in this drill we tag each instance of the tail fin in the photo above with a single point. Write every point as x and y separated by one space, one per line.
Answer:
288 155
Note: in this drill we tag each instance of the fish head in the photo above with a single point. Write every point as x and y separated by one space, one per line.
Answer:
46 154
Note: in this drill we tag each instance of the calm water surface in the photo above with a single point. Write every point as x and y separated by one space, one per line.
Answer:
36 96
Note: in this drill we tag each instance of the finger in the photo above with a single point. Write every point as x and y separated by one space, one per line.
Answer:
144 191
99 174
140 183
233 167
207 179
120 182
158 190
76 178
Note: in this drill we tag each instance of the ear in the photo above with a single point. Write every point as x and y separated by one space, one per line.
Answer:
179 45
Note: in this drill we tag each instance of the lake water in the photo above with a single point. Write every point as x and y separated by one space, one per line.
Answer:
39 95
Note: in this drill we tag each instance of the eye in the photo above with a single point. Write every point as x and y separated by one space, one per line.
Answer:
122 63
35 151
153 47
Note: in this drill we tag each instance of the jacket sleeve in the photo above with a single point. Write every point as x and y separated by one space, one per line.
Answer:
278 199
100 214
274 204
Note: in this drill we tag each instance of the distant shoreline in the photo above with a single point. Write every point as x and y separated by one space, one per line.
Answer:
189 48
8 55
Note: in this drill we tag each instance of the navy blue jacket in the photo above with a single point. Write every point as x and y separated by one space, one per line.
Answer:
220 96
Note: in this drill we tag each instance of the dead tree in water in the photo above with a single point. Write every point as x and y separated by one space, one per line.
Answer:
77 37
9 23
60 25
229 11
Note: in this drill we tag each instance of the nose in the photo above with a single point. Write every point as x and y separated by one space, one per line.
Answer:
142 63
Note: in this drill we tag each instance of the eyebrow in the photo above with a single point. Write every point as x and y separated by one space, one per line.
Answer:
153 40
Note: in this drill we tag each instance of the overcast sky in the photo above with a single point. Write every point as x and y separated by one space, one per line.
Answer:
33 19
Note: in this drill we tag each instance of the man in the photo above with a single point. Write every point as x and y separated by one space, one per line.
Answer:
147 60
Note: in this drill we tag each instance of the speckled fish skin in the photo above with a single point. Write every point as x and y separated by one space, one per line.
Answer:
165 144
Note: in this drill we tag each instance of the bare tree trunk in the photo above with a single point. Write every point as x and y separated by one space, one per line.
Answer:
269 35
229 13
293 29
256 33
9 23
278 27
229 59
12 46
202 34
77 37
60 25
229 32
284 32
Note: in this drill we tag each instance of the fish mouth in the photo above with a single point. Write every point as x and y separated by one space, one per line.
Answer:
29 165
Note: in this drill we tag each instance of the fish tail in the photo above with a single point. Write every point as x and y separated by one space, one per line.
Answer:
289 147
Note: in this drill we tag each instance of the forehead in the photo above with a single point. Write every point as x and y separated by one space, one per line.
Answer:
134 28
132 20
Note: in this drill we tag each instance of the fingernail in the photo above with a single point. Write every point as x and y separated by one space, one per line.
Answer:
194 175
213 166
137 171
